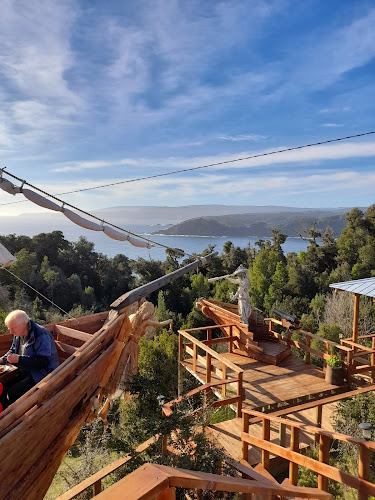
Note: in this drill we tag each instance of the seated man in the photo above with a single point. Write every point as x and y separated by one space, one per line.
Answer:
33 351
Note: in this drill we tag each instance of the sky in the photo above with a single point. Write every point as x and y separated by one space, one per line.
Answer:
95 92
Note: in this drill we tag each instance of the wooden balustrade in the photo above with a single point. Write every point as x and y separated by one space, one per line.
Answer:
321 466
193 347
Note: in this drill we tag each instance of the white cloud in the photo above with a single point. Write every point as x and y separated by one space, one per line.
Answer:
244 137
332 125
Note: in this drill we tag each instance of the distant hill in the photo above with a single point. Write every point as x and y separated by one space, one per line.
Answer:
293 224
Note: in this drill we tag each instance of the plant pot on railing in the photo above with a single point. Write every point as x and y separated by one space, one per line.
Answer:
334 374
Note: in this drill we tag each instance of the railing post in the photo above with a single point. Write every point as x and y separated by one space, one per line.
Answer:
239 393
364 468
326 351
231 341
208 368
350 367
97 487
324 446
270 326
209 333
373 361
180 360
194 358
224 376
294 446
282 435
245 428
308 343
318 423
266 437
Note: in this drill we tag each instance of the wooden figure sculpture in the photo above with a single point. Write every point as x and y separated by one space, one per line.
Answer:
242 294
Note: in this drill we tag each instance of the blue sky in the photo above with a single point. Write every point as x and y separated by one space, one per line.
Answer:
94 92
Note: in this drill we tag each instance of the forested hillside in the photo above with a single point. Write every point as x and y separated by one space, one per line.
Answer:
80 280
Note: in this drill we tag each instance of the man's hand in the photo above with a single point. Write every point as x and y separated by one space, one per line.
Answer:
13 358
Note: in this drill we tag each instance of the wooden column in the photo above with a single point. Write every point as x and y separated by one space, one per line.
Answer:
326 351
223 377
208 368
266 436
231 341
319 418
294 446
194 358
245 428
373 361
307 342
324 446
355 319
282 435
209 333
239 393
180 365
364 469
97 487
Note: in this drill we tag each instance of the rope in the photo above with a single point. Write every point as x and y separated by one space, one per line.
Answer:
44 297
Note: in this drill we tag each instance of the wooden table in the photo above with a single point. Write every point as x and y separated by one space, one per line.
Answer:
10 374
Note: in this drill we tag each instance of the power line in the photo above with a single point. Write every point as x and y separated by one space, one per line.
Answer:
173 172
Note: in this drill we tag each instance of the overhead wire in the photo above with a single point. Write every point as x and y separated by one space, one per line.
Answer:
225 162
36 291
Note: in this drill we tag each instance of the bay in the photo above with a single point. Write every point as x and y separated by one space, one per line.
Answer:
30 226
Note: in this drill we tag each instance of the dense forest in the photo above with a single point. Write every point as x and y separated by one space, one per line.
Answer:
80 280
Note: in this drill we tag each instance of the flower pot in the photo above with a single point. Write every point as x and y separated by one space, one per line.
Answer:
334 375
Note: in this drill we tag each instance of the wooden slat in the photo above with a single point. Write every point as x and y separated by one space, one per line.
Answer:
70 336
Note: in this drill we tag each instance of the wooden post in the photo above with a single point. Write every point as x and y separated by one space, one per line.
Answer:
350 367
324 446
208 368
97 487
319 417
326 351
355 319
245 428
239 393
373 361
294 446
364 468
194 358
270 327
180 365
231 341
282 435
224 376
209 333
266 436
307 342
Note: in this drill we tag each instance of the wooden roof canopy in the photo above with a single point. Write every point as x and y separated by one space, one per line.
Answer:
365 287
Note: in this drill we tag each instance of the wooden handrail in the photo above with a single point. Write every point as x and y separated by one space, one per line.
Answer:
96 479
211 327
210 351
321 466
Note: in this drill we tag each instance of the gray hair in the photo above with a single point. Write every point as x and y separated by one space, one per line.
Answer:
17 317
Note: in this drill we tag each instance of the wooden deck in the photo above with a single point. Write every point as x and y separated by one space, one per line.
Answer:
265 384
228 434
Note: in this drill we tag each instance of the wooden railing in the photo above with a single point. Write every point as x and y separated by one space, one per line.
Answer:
329 347
295 458
363 358
159 482
192 348
95 481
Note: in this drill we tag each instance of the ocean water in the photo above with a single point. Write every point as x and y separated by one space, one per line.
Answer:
189 244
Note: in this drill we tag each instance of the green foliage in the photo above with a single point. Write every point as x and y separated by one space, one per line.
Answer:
334 361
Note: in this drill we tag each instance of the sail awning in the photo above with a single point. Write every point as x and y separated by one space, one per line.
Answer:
6 258
364 286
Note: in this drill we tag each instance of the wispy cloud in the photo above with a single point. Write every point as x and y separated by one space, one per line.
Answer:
332 124
244 137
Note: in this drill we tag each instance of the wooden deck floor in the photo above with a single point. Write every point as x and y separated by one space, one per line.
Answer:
265 384
228 434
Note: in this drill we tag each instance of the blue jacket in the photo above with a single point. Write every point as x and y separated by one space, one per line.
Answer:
41 353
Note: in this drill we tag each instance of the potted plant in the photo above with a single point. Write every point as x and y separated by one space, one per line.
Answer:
334 371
